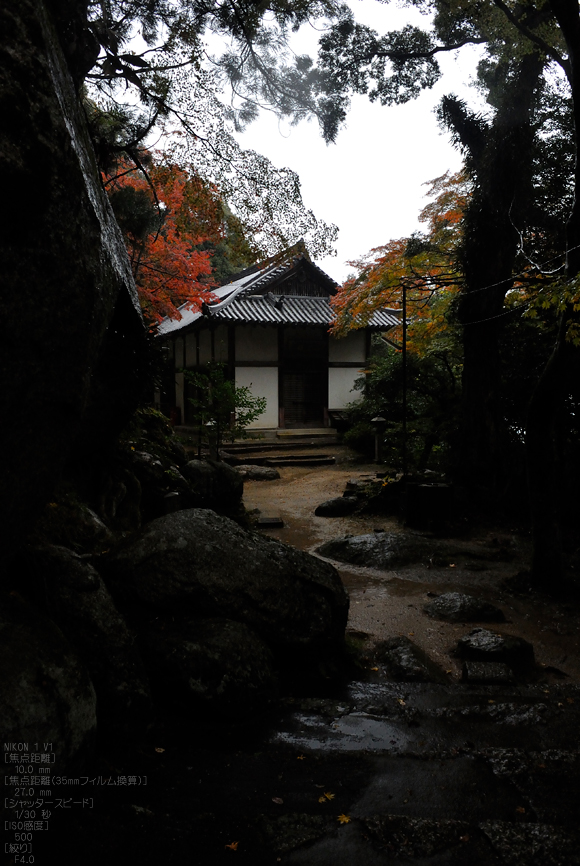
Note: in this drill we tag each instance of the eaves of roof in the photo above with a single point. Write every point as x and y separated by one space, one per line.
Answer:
290 310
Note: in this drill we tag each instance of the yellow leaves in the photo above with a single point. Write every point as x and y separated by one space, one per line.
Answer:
326 797
401 702
233 846
343 819
300 757
159 749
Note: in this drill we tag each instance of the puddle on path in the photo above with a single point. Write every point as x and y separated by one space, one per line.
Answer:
388 603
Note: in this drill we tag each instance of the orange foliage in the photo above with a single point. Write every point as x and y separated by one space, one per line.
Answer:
424 265
171 224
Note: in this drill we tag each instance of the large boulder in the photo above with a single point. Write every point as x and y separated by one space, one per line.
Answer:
216 666
47 695
195 563
70 356
214 485
82 607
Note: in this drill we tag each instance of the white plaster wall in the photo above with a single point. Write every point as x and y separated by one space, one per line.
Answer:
340 387
257 343
262 382
349 348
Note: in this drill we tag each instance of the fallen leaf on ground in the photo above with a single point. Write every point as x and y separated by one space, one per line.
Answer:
374 669
328 795
344 819
278 800
300 757
159 749
401 702
233 846
521 810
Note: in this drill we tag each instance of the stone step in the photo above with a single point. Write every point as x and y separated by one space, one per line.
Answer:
301 460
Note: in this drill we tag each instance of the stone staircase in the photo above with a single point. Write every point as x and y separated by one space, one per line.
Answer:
448 774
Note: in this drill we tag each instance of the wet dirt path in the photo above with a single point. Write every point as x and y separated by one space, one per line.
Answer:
388 603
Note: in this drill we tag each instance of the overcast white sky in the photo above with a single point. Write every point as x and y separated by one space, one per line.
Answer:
370 183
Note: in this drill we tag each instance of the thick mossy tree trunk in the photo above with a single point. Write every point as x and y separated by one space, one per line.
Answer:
496 158
544 466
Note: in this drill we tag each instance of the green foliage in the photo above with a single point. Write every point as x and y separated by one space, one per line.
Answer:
433 392
217 401
179 95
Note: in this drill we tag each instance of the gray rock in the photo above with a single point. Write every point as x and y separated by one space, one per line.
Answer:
339 507
257 473
383 550
409 837
82 607
74 525
198 564
532 842
456 607
406 662
286 832
214 485
486 673
215 665
147 468
64 262
46 695
487 646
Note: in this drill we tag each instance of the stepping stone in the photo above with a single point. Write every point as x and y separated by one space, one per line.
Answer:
406 662
257 473
486 673
456 607
270 522
487 646
339 507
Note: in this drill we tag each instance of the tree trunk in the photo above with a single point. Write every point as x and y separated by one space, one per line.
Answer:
544 470
541 434
502 183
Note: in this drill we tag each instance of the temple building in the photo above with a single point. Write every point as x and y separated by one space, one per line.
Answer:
270 327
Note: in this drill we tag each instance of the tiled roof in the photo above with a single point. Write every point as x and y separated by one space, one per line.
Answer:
248 299
290 310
